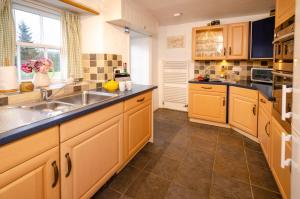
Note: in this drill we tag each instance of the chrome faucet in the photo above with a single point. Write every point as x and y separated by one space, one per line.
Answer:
44 94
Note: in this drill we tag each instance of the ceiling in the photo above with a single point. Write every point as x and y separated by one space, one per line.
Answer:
200 10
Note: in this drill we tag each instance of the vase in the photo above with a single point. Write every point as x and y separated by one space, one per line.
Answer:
41 80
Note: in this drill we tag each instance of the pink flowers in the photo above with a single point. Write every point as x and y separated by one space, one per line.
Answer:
42 65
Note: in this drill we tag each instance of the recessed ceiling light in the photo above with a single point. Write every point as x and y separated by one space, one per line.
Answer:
177 14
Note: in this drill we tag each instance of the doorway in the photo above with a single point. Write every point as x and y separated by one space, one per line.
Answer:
140 58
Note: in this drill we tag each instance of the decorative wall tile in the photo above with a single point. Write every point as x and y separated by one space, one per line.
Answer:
100 67
213 68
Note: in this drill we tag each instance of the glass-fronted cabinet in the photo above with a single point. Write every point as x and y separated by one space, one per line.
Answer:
209 43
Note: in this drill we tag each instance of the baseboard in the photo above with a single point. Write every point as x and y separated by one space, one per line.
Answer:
209 123
251 137
255 139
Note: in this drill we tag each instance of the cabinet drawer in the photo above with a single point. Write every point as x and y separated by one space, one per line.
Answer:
248 93
208 87
24 149
265 104
133 102
75 127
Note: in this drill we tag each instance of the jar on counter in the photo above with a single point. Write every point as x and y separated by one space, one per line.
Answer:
26 86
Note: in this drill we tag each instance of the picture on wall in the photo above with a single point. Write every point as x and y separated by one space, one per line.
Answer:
175 41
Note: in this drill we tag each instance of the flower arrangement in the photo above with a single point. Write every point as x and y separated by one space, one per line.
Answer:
42 65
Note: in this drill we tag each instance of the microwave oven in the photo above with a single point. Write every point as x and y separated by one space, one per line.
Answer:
263 75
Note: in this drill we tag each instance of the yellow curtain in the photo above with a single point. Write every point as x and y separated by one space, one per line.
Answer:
72 44
7 34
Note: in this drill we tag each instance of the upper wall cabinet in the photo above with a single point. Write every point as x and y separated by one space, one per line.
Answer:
126 13
238 36
209 42
284 10
221 42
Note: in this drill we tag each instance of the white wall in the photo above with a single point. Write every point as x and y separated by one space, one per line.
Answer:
186 53
101 37
140 52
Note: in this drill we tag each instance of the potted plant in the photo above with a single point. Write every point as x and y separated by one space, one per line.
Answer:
41 67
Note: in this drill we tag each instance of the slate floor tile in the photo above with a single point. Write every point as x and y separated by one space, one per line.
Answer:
194 177
189 160
231 141
175 151
249 144
179 192
148 186
223 187
202 144
256 158
259 193
163 167
141 159
123 180
106 193
262 177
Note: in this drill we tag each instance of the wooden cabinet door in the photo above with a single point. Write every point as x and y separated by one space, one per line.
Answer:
282 176
36 178
284 10
137 128
243 113
209 42
210 106
264 132
91 158
238 39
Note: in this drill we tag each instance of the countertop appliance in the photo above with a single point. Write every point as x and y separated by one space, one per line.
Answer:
263 75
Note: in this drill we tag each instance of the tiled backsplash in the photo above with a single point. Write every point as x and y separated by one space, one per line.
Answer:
100 67
213 68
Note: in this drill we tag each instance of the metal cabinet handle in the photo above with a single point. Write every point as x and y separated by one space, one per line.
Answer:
266 128
229 50
262 101
224 51
140 100
206 87
69 165
56 174
224 101
254 109
283 161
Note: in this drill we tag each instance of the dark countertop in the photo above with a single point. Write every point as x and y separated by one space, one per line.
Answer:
10 130
264 89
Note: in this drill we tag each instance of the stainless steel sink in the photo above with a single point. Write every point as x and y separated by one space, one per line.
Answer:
88 97
52 107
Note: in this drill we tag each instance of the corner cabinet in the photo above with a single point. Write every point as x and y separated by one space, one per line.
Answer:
137 124
221 42
207 102
282 176
243 109
93 155
285 9
30 167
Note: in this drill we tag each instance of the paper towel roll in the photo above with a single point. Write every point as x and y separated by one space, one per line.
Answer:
8 78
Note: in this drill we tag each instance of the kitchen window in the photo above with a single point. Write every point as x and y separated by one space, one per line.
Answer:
38 35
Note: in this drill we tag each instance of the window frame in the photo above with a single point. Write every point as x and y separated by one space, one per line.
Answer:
41 12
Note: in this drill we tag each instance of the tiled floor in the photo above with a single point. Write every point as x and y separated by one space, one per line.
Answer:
193 161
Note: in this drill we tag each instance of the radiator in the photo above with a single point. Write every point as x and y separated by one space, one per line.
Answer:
175 82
